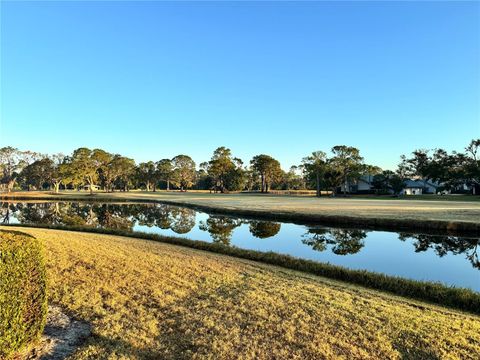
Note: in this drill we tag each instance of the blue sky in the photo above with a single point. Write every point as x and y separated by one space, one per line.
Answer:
154 79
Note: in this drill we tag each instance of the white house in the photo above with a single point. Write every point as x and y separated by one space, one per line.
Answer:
362 185
412 187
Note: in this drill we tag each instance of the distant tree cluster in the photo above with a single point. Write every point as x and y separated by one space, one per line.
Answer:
97 169
452 170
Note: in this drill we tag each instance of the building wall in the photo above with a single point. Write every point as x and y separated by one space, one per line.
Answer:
412 191
362 185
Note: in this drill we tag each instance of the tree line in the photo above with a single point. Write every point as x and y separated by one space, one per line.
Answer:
332 172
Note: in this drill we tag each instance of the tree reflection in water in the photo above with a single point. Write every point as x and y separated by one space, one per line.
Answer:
343 241
112 216
179 220
442 245
220 228
264 229
77 214
182 220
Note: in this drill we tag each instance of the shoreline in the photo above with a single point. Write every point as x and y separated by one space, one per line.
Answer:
385 223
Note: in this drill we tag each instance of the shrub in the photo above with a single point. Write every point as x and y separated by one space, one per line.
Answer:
23 300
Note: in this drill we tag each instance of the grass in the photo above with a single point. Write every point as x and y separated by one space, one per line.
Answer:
23 297
424 197
149 300
382 214
463 299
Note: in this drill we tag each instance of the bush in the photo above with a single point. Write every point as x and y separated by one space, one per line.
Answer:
23 300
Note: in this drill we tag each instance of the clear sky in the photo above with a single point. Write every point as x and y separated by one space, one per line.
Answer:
154 79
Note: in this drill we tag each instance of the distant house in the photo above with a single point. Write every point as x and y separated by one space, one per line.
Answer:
364 185
94 187
419 187
412 187
430 187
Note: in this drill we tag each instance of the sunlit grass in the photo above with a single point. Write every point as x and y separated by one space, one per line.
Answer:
151 300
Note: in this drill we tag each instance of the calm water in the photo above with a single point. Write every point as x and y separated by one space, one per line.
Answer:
448 259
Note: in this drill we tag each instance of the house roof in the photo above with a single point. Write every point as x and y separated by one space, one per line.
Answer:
413 184
409 183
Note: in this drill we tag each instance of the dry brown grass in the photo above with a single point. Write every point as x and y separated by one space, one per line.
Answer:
152 300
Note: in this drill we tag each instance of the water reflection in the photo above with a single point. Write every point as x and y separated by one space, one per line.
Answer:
442 245
220 228
264 229
179 220
342 241
325 244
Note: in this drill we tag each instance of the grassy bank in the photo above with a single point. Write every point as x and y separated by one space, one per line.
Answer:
452 216
151 300
458 298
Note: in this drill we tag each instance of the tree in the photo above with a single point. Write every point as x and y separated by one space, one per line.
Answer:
67 173
472 165
107 168
348 162
146 174
236 179
203 181
165 171
403 167
380 181
219 167
85 164
315 166
225 171
12 161
388 180
57 175
333 177
292 180
419 165
396 183
183 172
38 174
124 169
268 168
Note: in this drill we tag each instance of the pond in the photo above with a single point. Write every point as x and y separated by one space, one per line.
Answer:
451 260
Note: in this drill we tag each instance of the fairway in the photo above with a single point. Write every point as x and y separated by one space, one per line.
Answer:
151 300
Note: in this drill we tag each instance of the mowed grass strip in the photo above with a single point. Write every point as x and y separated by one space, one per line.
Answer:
148 300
